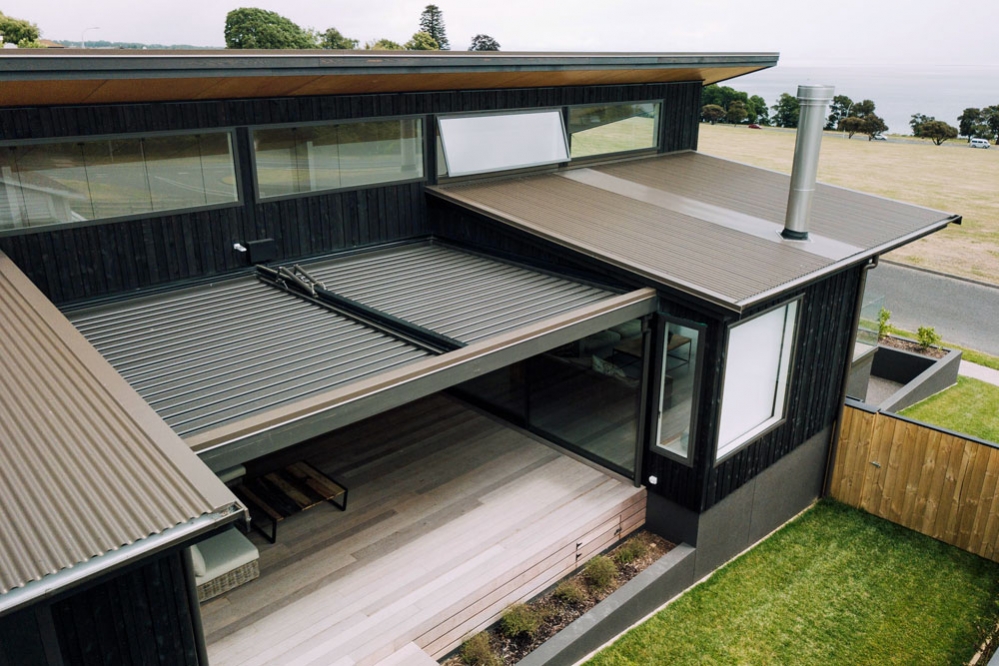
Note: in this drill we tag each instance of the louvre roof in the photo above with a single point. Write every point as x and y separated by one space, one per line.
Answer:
101 76
86 467
703 225
239 358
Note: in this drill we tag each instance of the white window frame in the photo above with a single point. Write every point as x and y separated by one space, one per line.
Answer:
792 310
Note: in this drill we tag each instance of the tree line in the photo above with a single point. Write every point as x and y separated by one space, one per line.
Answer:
725 104
252 28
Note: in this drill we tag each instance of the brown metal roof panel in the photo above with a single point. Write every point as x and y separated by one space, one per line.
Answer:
853 217
673 248
461 295
86 466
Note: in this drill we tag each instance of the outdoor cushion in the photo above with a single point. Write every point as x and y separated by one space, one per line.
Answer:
225 552
199 561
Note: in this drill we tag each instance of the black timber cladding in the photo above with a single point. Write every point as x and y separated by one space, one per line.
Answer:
211 355
86 262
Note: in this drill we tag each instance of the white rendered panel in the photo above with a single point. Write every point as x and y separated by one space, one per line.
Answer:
481 144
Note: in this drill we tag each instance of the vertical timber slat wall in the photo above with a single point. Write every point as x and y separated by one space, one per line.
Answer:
139 616
81 263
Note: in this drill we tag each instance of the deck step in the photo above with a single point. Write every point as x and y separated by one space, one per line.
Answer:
409 655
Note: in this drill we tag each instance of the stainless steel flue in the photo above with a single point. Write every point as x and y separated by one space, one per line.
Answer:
812 101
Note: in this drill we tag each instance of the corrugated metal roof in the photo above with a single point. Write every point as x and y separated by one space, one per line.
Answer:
460 295
86 467
689 249
210 355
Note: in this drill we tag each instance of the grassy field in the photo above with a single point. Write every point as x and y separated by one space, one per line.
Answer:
952 178
836 586
971 407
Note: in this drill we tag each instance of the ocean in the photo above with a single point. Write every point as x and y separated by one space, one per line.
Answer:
898 91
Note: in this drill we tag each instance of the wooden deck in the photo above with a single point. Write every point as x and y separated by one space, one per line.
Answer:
453 516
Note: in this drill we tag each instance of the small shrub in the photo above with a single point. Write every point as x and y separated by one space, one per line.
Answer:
634 549
570 592
521 619
927 337
600 572
884 328
478 651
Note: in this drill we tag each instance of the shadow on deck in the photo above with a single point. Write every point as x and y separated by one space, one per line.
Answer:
453 516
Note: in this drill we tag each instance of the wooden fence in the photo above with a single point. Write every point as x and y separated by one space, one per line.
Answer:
932 481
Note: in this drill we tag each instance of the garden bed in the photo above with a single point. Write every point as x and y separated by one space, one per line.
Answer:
921 372
525 627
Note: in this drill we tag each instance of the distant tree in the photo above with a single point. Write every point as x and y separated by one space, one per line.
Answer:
383 45
968 123
786 111
432 22
917 121
838 110
712 113
736 112
18 31
990 121
484 43
863 108
758 110
937 131
251 28
421 41
332 39
851 125
872 125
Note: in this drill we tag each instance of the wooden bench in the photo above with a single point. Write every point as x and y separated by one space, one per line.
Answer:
287 491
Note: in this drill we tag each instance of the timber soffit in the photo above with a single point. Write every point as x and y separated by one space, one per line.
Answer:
93 76
215 358
703 225
87 469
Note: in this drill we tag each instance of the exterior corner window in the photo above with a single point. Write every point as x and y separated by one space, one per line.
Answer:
64 182
315 158
757 369
477 144
677 412
613 128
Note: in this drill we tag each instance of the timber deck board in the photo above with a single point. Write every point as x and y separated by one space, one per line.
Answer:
453 517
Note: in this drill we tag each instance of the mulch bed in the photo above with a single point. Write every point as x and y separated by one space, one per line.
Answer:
912 346
559 614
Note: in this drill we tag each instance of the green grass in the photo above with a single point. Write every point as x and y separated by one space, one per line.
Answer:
971 407
836 586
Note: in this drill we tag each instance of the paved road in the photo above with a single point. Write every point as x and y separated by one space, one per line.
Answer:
962 312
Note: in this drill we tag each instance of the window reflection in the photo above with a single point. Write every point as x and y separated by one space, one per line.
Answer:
584 395
676 399
76 181
295 160
615 128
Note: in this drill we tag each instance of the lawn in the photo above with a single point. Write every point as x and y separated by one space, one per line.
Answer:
952 178
971 407
836 586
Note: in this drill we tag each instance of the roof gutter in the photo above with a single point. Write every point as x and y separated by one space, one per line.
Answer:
59 582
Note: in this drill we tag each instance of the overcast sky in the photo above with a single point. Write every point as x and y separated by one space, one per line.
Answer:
804 32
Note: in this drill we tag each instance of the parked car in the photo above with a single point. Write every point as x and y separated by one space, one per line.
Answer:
754 126
979 143
879 137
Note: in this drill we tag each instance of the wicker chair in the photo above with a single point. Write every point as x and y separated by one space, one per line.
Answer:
224 561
